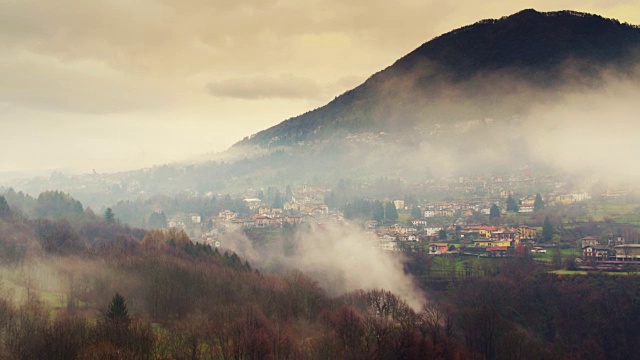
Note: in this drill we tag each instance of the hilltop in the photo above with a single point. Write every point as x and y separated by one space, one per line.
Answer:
494 69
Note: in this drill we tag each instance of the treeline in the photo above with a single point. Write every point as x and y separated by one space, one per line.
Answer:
371 210
142 213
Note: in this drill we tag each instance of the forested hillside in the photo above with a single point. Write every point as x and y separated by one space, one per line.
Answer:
92 289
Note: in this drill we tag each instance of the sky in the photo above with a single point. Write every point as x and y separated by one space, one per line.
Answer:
118 85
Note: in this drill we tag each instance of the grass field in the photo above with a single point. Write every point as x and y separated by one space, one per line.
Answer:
584 272
448 267
548 256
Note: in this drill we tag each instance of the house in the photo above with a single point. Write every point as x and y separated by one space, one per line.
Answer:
438 248
446 212
407 237
429 213
431 231
388 242
404 230
527 233
262 221
491 243
227 215
627 252
526 208
419 223
292 220
597 252
370 224
513 237
589 241
253 203
497 251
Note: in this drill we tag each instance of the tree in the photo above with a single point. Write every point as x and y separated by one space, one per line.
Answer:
378 211
416 213
547 230
57 205
512 204
538 204
288 193
117 312
157 220
442 234
390 212
5 210
109 217
277 201
494 212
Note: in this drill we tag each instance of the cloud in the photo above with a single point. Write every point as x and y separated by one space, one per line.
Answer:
39 83
284 86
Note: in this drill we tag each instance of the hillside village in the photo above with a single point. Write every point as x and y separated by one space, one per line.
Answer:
453 227
452 216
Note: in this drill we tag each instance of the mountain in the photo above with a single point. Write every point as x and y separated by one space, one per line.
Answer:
496 69
536 91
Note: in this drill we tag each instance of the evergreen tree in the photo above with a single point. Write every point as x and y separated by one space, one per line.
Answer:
157 220
288 193
416 213
117 312
494 212
277 201
547 230
538 204
5 210
57 205
390 212
512 204
378 211
109 217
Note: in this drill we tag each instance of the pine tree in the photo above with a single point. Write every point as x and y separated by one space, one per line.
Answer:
378 211
547 230
117 312
512 204
277 202
5 210
390 212
416 213
494 212
109 217
538 204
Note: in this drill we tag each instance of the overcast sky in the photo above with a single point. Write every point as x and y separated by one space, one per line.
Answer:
116 85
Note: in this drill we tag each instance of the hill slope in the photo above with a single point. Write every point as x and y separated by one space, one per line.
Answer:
491 69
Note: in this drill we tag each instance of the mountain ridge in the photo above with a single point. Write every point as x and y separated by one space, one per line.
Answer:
529 49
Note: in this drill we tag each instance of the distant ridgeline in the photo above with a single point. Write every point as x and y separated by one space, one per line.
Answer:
493 69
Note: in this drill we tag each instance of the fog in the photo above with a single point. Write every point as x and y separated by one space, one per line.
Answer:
341 258
592 134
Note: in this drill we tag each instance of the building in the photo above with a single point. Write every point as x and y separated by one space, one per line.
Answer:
438 248
589 241
527 233
627 252
497 251
227 214
595 252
